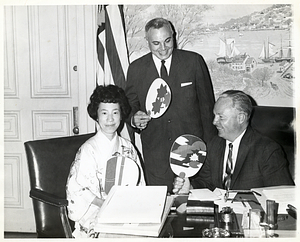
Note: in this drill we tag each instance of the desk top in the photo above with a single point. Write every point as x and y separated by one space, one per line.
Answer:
182 225
179 226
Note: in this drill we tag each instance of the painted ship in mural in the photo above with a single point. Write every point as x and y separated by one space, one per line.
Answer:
268 53
227 51
285 55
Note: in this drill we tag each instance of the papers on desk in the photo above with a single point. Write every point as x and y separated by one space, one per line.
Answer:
283 195
217 196
203 195
133 204
237 206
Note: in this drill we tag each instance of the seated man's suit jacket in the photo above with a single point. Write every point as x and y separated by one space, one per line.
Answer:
260 162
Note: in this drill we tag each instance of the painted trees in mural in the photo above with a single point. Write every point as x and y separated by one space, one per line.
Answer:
187 20
263 74
252 53
134 24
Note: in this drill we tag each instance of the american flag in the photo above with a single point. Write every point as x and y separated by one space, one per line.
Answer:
112 50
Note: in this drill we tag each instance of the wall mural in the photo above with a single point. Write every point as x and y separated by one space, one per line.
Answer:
246 47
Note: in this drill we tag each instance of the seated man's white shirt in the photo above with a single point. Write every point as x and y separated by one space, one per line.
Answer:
235 149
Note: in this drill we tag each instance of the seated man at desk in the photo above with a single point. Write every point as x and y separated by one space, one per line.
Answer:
238 157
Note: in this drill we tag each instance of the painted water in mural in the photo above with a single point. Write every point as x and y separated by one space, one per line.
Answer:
269 79
257 61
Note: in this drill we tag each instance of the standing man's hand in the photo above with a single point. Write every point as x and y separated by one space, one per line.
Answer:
140 120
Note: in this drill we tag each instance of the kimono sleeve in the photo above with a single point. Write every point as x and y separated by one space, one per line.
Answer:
82 184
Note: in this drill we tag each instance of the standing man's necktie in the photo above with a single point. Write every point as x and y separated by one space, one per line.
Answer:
163 70
229 168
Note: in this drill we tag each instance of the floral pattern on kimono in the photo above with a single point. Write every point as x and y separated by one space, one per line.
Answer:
85 181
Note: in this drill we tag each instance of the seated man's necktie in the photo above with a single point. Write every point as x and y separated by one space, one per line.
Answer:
228 171
163 70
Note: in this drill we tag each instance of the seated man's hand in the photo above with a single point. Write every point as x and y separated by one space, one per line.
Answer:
181 185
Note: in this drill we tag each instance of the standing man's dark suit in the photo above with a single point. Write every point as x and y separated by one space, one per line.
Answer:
190 111
260 163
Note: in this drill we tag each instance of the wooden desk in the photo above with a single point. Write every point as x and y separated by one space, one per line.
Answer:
176 225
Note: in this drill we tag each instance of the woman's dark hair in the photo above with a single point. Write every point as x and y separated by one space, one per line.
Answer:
108 94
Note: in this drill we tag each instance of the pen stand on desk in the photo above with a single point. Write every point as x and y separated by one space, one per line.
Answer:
226 218
228 221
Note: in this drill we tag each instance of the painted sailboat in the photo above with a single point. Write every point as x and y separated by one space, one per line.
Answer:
227 51
267 53
288 57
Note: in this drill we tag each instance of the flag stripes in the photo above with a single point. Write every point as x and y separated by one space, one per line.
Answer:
112 50
100 47
112 47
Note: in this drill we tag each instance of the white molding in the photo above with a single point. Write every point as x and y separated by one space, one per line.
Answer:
12 129
10 55
51 123
12 181
87 59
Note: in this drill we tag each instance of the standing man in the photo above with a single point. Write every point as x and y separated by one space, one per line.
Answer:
239 157
190 110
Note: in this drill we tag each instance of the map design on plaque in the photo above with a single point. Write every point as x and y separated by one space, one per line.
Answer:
187 155
158 98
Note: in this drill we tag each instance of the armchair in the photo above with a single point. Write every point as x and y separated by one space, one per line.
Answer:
49 164
278 124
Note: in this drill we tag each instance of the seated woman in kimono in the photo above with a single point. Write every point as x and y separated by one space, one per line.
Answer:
88 183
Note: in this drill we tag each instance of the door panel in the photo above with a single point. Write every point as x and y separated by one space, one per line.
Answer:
48 52
51 123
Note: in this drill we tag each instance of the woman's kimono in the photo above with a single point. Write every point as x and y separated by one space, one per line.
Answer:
86 177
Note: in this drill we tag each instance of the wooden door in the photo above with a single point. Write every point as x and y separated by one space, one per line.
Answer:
47 50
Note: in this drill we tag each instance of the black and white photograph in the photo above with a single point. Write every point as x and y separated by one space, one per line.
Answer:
131 120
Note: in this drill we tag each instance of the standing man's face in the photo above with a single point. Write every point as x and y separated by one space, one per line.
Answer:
160 42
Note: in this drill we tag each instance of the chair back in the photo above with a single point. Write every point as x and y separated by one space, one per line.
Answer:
49 164
277 124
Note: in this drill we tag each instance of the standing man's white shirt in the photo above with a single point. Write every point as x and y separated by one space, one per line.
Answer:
157 63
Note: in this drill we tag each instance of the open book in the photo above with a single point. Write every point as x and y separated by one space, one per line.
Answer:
133 204
137 229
